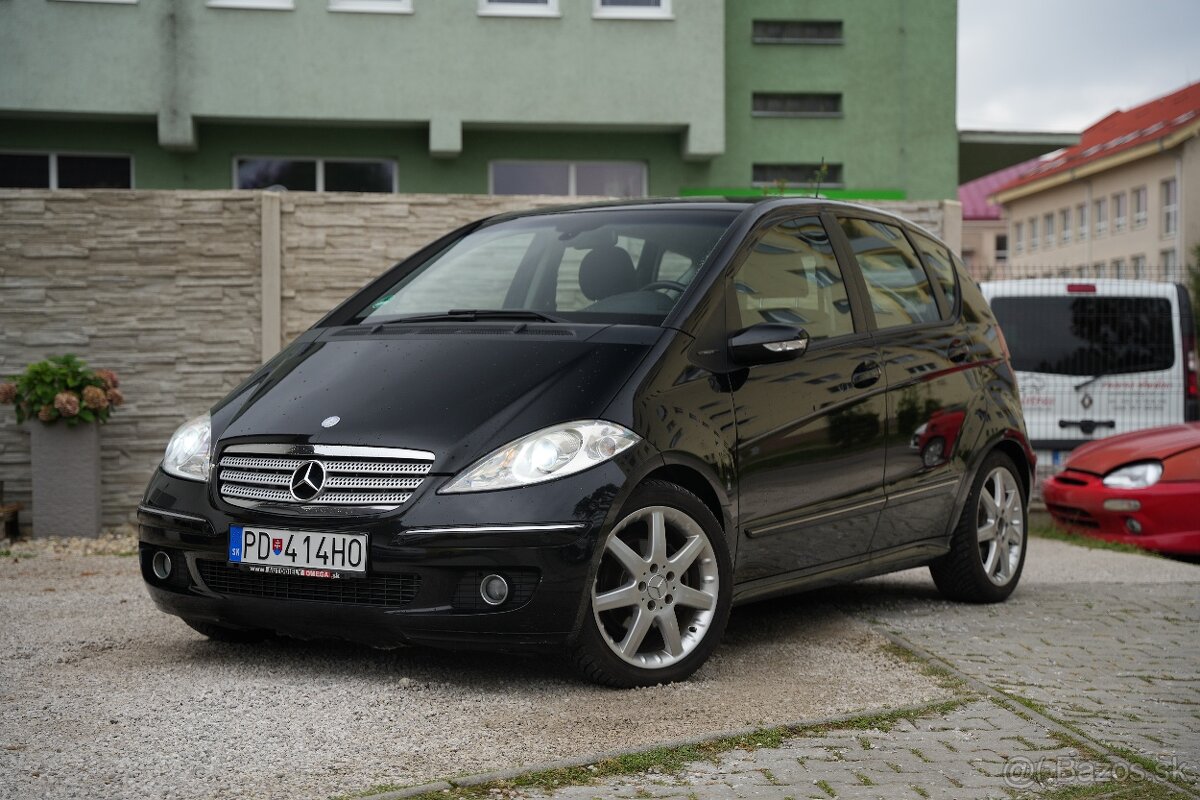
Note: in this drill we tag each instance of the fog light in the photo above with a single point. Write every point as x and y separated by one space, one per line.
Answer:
1132 525
493 589
160 565
1122 505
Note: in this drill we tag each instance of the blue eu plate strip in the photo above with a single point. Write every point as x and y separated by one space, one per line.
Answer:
235 543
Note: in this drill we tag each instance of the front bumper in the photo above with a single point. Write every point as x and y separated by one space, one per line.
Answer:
424 565
1165 518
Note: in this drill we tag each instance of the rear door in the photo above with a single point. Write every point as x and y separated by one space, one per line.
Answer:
1092 359
926 354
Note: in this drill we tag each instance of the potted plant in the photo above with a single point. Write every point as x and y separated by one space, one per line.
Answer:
63 403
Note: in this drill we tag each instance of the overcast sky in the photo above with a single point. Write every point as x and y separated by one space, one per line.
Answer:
1060 65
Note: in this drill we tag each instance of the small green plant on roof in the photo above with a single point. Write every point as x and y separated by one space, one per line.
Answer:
63 388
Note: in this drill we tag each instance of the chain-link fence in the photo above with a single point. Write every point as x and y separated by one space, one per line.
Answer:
1096 355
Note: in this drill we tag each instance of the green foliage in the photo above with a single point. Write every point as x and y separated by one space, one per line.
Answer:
62 388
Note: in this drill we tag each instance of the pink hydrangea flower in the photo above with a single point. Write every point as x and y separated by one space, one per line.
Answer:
109 377
46 413
8 392
67 403
95 398
115 397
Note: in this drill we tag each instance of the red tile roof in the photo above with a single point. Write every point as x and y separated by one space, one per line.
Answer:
1122 130
974 194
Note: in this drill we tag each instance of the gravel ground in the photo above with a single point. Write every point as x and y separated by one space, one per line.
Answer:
103 696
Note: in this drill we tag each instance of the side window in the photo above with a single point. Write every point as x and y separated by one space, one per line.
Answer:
896 282
792 277
938 259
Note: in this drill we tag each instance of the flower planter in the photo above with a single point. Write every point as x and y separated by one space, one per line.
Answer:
66 479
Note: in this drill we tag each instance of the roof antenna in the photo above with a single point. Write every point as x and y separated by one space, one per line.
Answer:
820 176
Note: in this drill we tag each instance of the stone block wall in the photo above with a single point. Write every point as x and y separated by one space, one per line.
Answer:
165 288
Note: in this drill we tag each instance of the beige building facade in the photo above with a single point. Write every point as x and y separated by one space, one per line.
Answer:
1121 205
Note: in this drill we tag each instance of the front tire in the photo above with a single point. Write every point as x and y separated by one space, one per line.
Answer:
987 548
661 594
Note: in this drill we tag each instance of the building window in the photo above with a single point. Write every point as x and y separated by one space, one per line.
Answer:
1139 207
1169 264
519 8
254 5
1001 248
797 32
1170 207
632 9
798 175
1100 212
1048 229
1081 221
1033 234
1120 212
1138 265
1101 270
1064 223
65 171
372 6
784 104
1019 237
569 178
315 174
1118 267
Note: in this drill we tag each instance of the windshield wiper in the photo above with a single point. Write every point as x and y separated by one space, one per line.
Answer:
1102 373
473 314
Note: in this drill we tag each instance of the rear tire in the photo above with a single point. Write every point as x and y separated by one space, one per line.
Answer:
988 546
661 594
220 633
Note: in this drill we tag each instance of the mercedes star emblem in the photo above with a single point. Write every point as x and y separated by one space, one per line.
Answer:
307 481
329 422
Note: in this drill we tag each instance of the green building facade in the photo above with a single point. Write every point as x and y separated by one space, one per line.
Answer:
623 97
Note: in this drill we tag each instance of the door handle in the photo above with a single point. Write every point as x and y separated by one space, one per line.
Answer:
866 374
959 351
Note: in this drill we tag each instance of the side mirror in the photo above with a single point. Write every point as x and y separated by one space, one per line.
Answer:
766 343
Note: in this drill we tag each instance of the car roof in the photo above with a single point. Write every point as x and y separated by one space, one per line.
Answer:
757 206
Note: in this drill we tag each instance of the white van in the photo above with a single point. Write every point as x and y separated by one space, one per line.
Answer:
1096 358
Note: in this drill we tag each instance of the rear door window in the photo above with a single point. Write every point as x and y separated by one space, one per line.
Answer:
1087 335
899 289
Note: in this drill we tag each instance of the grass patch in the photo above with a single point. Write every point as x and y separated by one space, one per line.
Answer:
944 677
670 760
1059 535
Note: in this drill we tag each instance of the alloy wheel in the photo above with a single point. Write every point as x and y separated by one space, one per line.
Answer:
656 589
1000 526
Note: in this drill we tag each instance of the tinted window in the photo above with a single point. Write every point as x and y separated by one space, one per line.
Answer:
792 277
261 173
20 171
896 282
360 176
1087 335
937 258
94 172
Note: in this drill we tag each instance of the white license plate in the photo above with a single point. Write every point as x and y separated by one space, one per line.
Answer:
310 554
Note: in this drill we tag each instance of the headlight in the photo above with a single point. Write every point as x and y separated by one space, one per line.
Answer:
545 455
1134 476
187 452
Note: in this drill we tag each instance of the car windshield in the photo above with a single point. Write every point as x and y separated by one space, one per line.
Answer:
1087 335
599 266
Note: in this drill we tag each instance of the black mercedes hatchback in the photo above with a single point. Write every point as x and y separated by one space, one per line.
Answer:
594 430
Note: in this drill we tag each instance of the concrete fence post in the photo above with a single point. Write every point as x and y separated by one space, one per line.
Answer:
272 285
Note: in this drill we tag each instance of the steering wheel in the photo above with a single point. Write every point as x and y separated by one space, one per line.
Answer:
673 286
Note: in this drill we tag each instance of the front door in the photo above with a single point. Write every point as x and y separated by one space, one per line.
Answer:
810 432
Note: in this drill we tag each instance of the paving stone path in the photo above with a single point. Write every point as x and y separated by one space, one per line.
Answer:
1090 672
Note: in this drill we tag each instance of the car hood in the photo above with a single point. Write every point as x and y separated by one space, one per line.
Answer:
1105 455
456 392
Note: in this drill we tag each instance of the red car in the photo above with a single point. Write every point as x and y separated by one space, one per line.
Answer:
1141 488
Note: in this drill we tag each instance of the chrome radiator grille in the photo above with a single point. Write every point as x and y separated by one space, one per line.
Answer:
382 478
